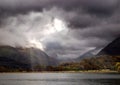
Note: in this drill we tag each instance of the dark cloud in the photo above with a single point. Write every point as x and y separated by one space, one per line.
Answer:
53 46
102 7
83 21
94 6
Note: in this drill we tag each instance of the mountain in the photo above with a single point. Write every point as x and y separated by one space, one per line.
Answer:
85 55
23 58
111 49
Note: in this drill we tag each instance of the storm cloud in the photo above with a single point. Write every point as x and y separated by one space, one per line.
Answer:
89 24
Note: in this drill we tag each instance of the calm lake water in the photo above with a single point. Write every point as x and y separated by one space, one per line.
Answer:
59 79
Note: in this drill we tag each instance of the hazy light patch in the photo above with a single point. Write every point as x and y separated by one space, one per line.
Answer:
35 43
55 26
59 25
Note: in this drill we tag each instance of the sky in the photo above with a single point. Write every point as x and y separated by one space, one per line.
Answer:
61 28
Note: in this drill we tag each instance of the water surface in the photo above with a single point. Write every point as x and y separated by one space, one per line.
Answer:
59 79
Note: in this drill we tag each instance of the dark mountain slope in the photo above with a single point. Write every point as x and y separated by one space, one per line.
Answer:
111 49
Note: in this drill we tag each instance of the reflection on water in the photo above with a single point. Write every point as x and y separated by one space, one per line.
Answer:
59 79
103 82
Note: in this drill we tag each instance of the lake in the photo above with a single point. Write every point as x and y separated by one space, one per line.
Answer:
59 79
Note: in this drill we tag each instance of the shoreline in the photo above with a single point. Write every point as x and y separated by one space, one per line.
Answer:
89 71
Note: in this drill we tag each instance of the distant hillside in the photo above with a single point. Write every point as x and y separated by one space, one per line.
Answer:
85 55
23 58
